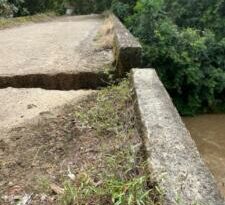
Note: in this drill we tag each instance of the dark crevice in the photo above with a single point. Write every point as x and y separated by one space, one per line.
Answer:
59 81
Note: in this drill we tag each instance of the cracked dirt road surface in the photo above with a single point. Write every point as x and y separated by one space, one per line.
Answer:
48 47
59 55
40 136
64 57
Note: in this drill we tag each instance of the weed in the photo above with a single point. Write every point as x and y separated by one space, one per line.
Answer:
11 22
129 192
114 187
69 196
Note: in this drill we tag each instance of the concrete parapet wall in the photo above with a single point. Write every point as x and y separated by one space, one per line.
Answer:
127 49
173 158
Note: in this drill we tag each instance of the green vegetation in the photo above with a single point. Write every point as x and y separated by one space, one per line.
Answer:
30 7
24 7
184 41
123 179
126 189
108 115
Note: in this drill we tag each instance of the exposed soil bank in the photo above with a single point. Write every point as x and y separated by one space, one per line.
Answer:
208 131
59 81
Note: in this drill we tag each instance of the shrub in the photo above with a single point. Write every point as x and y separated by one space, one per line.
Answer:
5 8
185 49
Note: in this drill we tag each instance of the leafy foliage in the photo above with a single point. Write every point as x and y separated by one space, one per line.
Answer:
122 8
184 41
83 7
25 7
7 8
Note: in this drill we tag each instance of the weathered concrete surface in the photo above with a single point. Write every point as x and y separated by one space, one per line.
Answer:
19 106
127 50
173 158
53 55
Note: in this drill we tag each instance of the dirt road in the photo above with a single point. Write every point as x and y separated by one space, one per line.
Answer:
48 47
46 71
59 55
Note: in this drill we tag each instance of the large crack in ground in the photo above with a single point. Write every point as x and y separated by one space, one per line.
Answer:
59 81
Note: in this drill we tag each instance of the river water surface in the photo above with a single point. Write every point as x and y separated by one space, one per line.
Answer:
208 131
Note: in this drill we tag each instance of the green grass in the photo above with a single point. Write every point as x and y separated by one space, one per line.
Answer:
108 113
124 178
131 187
11 22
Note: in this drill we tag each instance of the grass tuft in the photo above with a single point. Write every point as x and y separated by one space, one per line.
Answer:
106 34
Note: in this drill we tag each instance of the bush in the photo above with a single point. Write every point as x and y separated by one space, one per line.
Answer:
185 48
6 9
199 14
120 9
102 5
24 7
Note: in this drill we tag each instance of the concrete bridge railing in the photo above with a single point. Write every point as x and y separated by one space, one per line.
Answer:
127 50
173 157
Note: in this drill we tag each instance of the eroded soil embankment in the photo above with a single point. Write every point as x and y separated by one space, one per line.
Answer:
59 81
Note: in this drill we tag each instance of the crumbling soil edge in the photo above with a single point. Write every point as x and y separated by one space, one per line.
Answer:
58 81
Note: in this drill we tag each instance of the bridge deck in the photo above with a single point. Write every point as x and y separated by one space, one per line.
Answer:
47 48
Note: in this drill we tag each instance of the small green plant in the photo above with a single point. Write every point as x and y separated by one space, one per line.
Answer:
69 196
132 192
82 191
129 179
126 188
107 115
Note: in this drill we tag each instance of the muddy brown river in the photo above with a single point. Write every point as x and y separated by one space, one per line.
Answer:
208 131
